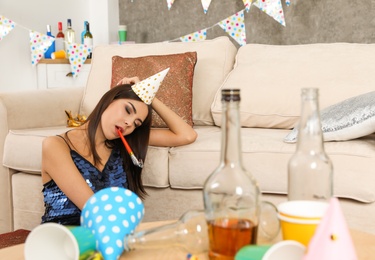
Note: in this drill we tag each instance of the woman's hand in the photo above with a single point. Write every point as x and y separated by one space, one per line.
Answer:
126 80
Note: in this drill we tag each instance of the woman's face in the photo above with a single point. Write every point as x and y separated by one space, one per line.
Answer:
123 114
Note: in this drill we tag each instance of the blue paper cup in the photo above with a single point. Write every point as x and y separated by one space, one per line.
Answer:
58 242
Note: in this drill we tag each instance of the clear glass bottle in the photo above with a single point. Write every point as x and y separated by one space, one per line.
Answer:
51 48
88 39
189 232
231 195
310 171
84 31
59 38
69 35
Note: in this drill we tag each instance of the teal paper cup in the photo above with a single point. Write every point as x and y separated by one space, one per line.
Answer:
58 242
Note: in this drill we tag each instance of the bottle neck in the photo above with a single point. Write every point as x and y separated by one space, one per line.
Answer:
59 27
310 134
231 136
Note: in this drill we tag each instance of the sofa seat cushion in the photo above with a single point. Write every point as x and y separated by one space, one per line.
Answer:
266 156
23 152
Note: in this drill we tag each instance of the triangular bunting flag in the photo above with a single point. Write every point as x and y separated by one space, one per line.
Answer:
6 26
170 3
195 37
234 25
77 55
273 8
205 4
247 4
287 2
332 238
39 44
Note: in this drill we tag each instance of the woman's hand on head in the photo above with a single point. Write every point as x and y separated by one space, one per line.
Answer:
126 80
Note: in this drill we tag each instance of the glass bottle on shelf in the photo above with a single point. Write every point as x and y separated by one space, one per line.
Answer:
231 195
51 48
69 35
310 171
88 39
59 38
84 31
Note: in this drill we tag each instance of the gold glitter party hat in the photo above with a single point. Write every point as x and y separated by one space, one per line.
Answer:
147 88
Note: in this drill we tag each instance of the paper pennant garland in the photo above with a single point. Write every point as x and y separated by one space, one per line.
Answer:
234 25
273 8
39 44
77 55
195 37
205 4
6 26
247 4
332 238
170 3
287 2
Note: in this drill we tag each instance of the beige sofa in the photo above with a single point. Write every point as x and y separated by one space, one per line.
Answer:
270 78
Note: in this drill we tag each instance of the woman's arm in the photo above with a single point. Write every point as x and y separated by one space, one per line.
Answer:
57 164
179 132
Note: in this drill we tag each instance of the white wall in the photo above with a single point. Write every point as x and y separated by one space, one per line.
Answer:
16 71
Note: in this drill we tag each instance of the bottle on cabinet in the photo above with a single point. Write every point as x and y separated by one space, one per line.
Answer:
310 171
51 48
84 31
88 39
59 40
69 35
231 195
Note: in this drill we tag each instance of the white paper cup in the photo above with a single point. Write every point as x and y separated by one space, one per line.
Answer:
54 241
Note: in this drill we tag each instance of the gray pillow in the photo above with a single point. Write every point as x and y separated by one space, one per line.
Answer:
348 119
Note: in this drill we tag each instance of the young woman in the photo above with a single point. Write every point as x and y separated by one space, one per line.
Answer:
92 157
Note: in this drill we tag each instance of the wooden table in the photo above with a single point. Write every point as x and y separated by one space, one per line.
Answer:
363 242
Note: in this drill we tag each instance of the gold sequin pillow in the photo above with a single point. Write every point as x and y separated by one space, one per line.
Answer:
176 88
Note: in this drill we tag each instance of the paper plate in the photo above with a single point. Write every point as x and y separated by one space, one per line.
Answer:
287 249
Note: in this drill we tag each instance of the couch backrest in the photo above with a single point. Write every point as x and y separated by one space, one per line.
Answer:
215 60
271 77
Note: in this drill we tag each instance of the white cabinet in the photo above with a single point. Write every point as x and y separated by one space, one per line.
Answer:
57 73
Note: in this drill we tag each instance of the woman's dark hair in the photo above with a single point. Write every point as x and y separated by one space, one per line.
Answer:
138 139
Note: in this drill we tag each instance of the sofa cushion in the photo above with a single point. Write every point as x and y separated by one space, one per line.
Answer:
176 89
271 77
23 152
215 60
266 157
349 119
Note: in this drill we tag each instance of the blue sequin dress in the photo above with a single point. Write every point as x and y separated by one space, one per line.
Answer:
60 209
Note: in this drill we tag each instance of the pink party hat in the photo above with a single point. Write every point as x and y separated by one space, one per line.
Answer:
332 239
147 88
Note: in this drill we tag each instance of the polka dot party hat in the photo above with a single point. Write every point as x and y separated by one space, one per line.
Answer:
111 214
147 88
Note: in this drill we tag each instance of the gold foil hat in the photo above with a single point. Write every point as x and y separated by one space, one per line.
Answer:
147 88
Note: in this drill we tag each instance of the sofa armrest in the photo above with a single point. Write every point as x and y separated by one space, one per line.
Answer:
38 108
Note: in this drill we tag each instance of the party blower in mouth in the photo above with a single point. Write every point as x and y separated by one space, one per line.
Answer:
132 156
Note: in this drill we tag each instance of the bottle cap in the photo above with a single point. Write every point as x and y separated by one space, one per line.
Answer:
122 28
